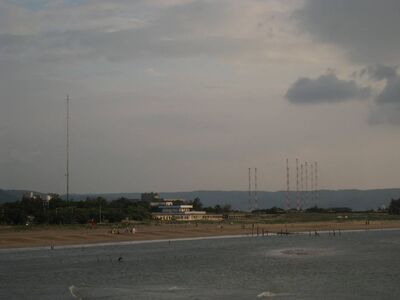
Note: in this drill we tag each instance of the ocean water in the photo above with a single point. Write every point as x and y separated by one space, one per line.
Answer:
354 265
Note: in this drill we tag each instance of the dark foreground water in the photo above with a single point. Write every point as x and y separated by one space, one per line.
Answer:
355 265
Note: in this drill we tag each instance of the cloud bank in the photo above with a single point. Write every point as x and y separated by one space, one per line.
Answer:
387 109
324 89
368 30
122 31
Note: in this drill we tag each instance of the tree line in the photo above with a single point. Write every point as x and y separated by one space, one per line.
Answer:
58 211
36 210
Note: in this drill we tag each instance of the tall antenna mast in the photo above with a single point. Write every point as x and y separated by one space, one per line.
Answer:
312 182
67 174
250 205
306 190
255 189
287 185
316 181
297 184
302 186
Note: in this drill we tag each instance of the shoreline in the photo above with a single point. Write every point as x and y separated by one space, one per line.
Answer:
140 242
80 236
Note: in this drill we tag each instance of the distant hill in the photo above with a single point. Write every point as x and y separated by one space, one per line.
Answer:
355 199
13 195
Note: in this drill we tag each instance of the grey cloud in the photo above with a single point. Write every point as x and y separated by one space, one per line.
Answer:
391 92
379 72
368 30
325 88
118 46
186 30
387 108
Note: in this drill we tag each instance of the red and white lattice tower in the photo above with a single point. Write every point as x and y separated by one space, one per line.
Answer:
312 183
297 185
302 186
306 187
316 181
287 185
255 204
250 199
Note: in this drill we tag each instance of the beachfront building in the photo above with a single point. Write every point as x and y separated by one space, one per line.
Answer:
169 211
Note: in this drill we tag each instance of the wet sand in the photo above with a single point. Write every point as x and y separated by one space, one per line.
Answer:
11 237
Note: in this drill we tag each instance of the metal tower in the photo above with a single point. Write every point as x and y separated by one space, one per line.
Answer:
255 204
312 183
67 149
297 185
306 187
250 200
302 186
287 185
316 181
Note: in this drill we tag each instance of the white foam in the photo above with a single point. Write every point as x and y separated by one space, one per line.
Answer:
175 288
266 294
302 252
72 290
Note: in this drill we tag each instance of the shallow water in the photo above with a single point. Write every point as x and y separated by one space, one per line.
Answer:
355 265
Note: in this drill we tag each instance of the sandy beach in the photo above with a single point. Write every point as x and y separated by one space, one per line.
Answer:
11 237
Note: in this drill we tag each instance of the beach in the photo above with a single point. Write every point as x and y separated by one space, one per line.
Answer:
15 237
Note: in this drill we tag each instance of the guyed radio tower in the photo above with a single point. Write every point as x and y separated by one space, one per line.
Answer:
316 181
312 183
255 204
67 150
306 186
287 185
302 186
249 204
253 196
297 185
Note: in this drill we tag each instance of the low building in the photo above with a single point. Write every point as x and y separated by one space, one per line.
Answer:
182 212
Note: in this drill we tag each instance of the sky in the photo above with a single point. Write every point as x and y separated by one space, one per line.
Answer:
180 95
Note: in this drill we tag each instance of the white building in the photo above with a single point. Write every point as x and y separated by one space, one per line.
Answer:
184 212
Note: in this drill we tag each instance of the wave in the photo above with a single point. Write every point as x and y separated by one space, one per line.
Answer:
266 294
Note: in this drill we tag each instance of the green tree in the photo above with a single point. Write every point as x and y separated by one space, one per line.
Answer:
197 205
394 207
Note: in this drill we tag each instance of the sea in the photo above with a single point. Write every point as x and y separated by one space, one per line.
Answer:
349 265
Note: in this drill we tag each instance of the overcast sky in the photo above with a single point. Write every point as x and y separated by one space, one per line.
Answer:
178 95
